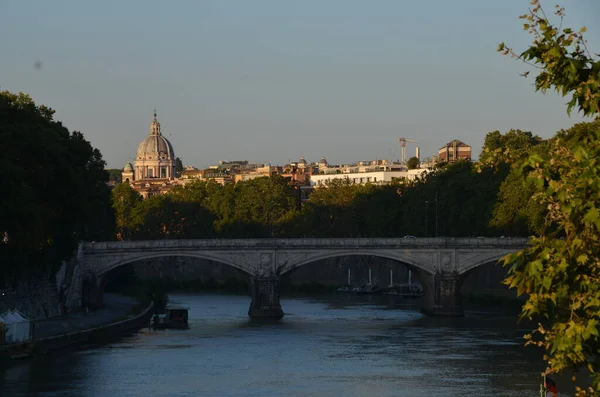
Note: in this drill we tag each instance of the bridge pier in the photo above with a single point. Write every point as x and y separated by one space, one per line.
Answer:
265 298
442 294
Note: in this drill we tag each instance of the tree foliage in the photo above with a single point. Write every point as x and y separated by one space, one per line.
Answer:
267 207
124 202
114 175
54 190
562 57
508 148
457 198
514 212
165 217
412 163
178 167
560 271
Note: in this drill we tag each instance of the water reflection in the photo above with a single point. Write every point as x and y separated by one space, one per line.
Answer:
326 346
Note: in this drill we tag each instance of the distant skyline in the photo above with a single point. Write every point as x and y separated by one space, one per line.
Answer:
273 81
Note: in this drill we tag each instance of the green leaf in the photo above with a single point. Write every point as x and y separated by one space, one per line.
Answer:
592 215
591 329
547 283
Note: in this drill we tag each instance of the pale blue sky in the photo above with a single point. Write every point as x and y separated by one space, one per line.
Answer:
274 80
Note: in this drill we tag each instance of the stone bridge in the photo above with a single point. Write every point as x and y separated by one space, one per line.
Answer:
440 264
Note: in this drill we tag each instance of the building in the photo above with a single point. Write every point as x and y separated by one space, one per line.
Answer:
453 151
153 170
374 177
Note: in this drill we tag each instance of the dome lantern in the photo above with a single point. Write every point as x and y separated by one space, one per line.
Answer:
155 126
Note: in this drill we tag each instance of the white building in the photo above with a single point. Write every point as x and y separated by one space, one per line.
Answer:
374 177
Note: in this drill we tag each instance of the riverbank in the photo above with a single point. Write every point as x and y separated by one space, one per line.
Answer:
115 318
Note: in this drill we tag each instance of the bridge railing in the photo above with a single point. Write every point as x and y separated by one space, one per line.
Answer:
281 243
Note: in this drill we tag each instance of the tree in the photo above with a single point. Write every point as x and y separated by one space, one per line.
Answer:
334 211
262 201
178 167
197 191
461 195
124 201
508 148
562 275
114 175
54 190
514 213
412 163
162 216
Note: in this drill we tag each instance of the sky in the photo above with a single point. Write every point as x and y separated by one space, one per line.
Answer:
270 81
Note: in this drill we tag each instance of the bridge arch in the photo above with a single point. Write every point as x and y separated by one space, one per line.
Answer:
112 264
412 263
484 276
484 259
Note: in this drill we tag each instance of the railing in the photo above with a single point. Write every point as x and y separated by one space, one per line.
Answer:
282 243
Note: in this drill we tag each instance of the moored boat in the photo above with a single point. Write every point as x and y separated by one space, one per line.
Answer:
406 290
174 317
368 289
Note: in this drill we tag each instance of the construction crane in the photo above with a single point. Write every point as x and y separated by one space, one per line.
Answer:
403 144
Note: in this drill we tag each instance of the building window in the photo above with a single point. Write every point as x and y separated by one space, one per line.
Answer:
163 172
150 172
374 179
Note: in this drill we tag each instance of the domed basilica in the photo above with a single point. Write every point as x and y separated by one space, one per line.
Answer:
153 170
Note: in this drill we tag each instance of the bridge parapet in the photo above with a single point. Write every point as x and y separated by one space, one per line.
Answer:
304 243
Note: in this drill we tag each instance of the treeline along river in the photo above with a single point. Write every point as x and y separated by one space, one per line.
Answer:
335 345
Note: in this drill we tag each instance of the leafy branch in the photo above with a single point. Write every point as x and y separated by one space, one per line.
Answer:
563 59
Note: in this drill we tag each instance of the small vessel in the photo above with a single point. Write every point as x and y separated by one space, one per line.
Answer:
368 288
364 287
347 288
174 317
406 290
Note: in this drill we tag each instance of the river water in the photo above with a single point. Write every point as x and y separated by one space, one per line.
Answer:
330 346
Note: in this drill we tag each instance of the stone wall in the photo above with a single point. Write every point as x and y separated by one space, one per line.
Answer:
37 300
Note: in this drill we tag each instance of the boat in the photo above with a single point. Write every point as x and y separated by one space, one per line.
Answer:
407 290
368 288
174 317
364 287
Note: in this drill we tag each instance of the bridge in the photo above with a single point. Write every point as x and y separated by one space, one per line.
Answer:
440 264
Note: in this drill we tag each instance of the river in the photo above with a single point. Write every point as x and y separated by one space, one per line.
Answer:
331 346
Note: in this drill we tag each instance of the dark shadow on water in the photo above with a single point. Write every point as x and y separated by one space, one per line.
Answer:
260 322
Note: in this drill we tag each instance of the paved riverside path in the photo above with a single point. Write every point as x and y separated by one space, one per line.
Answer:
116 307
